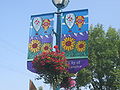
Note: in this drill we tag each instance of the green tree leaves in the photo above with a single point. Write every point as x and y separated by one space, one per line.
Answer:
103 72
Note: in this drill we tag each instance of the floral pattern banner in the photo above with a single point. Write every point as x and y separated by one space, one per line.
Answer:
40 34
74 41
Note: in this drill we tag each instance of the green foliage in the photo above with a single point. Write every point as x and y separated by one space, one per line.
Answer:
40 88
103 72
83 81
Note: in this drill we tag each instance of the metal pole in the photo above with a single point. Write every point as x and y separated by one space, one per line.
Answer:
58 36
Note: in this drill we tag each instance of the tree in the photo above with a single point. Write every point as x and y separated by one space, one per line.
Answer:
104 60
83 78
40 88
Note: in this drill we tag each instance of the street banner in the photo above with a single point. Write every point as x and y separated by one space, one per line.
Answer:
30 67
77 64
40 34
74 41
74 37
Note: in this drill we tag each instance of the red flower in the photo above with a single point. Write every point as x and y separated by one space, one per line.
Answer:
42 64
61 64
50 48
33 62
57 61
58 51
61 55
62 52
44 52
42 57
47 61
56 67
55 46
52 60
35 58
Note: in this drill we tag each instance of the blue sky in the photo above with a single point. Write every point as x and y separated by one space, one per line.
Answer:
14 33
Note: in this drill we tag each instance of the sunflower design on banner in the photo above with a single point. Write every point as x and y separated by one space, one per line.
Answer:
46 47
34 46
68 43
74 40
40 34
81 46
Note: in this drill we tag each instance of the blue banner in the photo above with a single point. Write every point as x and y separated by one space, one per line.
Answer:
74 40
40 34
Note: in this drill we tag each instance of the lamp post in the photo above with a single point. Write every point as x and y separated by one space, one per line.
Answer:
60 4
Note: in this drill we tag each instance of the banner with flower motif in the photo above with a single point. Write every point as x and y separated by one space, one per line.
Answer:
74 40
40 34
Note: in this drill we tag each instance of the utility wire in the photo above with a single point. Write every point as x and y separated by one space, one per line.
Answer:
10 46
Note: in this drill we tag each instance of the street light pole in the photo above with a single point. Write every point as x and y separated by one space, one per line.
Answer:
60 4
58 36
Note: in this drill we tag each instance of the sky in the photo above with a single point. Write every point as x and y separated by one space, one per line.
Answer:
14 34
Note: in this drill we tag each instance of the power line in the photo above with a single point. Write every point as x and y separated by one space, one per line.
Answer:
11 46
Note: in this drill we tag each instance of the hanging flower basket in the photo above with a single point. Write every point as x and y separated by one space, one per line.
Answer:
51 66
